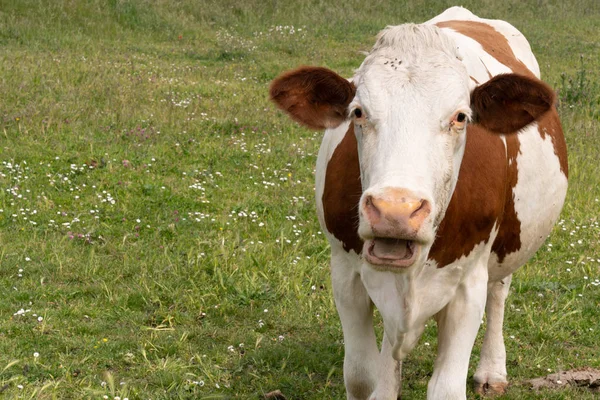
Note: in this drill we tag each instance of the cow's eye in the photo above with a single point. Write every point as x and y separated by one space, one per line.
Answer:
357 113
458 121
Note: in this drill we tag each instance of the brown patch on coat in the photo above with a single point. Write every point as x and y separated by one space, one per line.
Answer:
316 97
549 124
342 191
509 232
493 42
478 200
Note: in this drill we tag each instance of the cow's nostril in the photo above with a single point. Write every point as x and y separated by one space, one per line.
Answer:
371 208
422 211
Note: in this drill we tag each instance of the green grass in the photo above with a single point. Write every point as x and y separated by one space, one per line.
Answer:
157 226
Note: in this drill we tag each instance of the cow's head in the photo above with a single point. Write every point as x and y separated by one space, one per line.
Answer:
410 102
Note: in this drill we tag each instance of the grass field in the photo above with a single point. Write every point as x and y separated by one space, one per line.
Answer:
158 237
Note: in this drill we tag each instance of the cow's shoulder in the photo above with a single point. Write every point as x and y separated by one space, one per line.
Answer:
481 201
342 190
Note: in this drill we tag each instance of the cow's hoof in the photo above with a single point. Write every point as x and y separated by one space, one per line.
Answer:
491 389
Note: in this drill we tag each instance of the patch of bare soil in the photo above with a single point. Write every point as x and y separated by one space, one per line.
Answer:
585 377
275 395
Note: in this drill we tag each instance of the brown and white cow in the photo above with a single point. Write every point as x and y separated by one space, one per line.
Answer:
442 170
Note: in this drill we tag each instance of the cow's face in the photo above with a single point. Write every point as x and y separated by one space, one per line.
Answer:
409 104
410 117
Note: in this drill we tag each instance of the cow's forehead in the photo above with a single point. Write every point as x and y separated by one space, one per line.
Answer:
391 85
411 39
411 61
433 71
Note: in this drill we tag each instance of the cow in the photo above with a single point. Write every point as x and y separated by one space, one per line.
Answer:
442 170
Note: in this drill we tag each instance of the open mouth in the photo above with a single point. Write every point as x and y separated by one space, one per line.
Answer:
391 252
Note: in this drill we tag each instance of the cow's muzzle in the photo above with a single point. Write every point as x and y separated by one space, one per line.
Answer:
393 227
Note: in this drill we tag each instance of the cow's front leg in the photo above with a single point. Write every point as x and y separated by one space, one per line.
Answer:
490 376
458 324
356 314
389 377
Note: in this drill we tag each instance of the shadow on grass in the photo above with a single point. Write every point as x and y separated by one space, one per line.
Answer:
297 369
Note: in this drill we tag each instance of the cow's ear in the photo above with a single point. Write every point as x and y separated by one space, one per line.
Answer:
315 97
508 102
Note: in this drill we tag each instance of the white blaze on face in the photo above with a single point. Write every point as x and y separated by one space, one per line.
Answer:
408 94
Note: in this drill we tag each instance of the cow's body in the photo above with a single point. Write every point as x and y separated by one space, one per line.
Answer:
508 195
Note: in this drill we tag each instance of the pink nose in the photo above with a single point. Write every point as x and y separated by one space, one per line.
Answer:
396 214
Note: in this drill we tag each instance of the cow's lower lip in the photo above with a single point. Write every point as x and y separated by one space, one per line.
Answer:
391 252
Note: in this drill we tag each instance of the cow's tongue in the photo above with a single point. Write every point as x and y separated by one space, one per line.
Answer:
391 249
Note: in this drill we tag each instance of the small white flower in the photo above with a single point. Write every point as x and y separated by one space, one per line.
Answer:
36 354
40 319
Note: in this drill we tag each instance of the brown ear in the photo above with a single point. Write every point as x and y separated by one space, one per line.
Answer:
508 102
315 97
